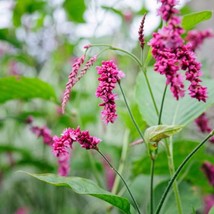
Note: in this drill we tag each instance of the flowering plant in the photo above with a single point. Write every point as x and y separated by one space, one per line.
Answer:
170 92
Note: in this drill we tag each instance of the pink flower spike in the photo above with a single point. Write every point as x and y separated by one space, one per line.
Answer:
43 132
208 169
72 80
196 37
87 66
109 76
64 165
203 123
88 142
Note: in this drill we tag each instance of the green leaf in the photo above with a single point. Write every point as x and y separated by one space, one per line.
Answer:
179 112
9 36
25 88
190 198
181 149
189 21
26 7
23 158
159 132
211 210
85 187
75 10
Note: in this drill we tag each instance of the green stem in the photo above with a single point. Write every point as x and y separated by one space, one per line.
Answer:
151 93
162 104
130 113
172 171
122 162
151 185
130 193
178 171
120 50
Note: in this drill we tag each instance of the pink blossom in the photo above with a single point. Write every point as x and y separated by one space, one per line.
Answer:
203 123
167 9
208 203
109 76
22 210
43 132
172 55
62 146
196 37
208 169
72 80
88 64
128 16
88 142
140 32
64 164
109 175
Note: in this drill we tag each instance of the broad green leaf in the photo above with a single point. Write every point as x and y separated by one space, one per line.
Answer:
75 10
176 112
181 149
85 187
190 198
211 210
23 158
9 36
26 7
190 20
25 88
159 132
19 57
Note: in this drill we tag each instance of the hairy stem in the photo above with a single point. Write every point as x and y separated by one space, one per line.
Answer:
172 180
130 193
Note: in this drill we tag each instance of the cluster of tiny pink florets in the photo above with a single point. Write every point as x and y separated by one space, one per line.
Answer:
197 37
62 146
172 55
204 126
109 76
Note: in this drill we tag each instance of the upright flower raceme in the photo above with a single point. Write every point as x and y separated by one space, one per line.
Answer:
62 146
172 55
109 75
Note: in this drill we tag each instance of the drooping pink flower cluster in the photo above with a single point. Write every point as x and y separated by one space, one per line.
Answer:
197 37
203 124
208 169
62 146
73 77
43 132
72 80
22 210
172 55
109 76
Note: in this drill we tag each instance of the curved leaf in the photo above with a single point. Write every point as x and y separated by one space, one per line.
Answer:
85 187
25 88
190 20
176 112
75 10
